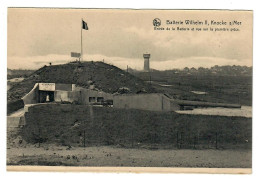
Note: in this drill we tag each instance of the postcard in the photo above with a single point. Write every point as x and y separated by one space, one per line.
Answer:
127 90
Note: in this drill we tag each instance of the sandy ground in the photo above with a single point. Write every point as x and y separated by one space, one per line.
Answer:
17 113
112 156
245 111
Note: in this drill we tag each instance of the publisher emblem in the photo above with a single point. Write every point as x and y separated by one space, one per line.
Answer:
156 22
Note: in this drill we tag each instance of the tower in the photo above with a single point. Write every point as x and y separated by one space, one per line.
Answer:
146 62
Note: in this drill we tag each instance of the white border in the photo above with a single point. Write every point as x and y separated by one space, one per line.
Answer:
136 4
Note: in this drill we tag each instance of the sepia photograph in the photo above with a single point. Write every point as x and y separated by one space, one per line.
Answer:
138 90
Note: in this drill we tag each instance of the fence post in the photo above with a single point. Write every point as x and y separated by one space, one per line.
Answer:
132 133
99 134
208 141
181 140
39 140
236 138
216 140
198 138
84 134
189 142
177 140
194 142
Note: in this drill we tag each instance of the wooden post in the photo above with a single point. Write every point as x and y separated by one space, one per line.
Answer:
39 138
181 139
84 136
194 142
189 139
198 138
216 140
236 138
177 140
132 137
100 131
208 140
91 117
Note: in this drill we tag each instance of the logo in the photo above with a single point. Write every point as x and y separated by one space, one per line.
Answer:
156 22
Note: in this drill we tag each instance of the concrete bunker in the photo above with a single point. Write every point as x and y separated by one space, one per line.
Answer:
151 102
52 92
46 96
55 92
161 102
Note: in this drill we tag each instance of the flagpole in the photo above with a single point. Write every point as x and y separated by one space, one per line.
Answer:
81 53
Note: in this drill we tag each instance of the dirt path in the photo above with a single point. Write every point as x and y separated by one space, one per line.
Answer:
111 156
17 113
245 111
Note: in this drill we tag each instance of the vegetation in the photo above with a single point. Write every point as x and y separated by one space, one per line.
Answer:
72 125
18 73
103 76
226 84
14 106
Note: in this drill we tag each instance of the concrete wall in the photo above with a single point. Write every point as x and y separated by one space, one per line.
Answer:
69 93
152 102
63 87
55 86
69 96
47 86
86 93
80 95
32 96
73 87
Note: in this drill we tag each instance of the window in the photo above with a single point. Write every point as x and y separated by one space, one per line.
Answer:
92 99
100 99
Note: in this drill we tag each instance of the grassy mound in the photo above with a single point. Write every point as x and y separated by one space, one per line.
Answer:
66 124
104 76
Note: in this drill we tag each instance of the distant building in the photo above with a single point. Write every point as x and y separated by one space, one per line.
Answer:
146 62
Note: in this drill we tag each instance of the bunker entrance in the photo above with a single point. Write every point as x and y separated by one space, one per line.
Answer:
46 96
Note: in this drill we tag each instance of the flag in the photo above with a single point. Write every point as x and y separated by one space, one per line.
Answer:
84 25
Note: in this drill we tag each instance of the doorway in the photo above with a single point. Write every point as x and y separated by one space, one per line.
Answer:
46 96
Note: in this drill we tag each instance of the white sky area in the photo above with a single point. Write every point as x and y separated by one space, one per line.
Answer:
120 37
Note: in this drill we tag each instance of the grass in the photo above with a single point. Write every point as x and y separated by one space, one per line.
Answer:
65 125
220 88
13 106
104 76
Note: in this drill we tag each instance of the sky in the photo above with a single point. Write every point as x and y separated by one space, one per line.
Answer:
120 37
